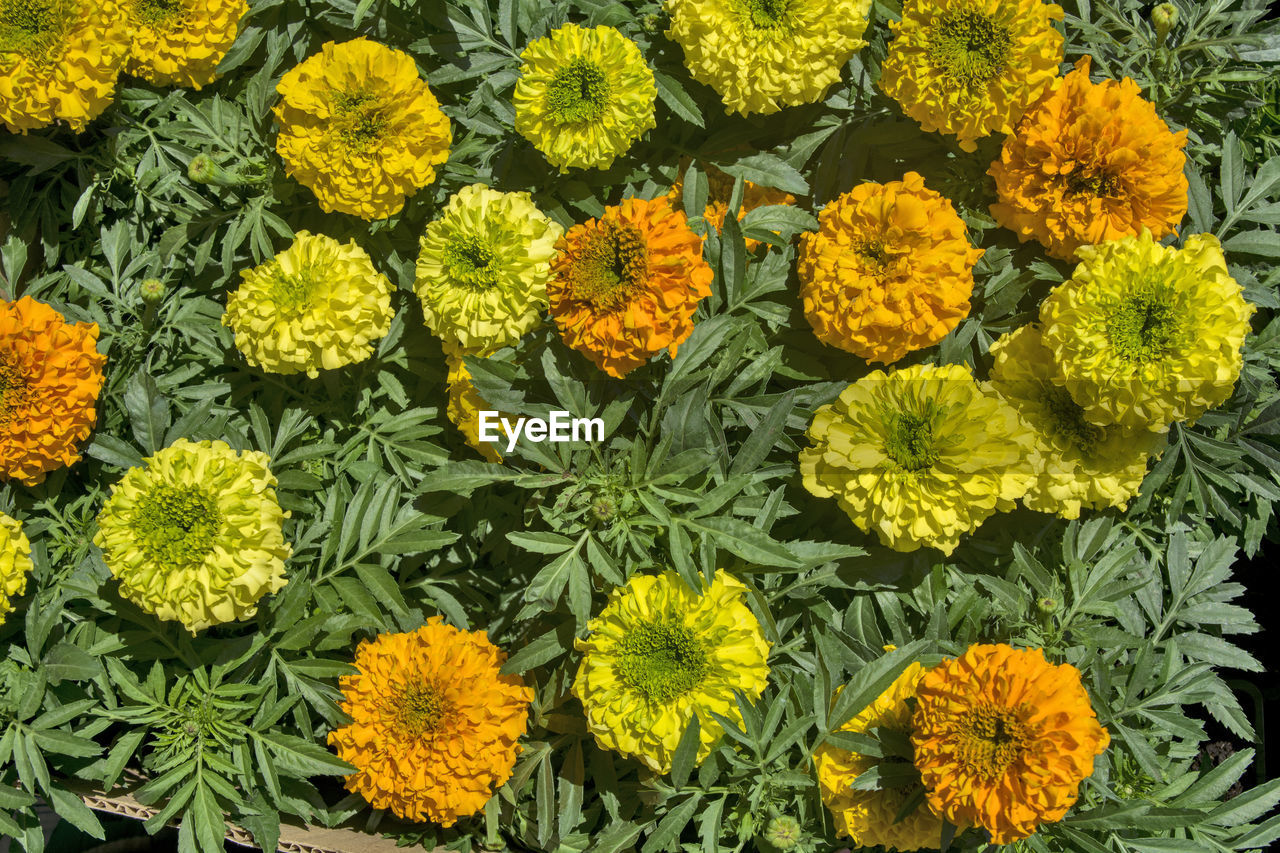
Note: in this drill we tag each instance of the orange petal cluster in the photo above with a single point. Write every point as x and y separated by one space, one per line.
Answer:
433 725
625 287
50 377
889 270
1090 162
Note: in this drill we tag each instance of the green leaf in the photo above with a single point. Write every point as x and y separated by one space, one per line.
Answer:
686 753
670 827
739 537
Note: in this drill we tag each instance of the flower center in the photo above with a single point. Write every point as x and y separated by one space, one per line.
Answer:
1098 184
579 93
611 267
421 709
1145 327
33 28
14 389
177 525
662 660
154 13
291 294
764 18
911 441
969 47
990 738
470 261
1068 419
873 256
358 119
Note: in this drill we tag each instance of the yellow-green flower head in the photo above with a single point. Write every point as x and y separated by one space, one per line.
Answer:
584 96
59 60
1144 335
15 562
316 305
970 68
920 456
763 55
1084 464
483 268
661 653
195 534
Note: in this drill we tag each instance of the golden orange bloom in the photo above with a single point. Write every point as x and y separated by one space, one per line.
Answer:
1003 739
625 287
1090 162
433 724
889 270
720 193
50 377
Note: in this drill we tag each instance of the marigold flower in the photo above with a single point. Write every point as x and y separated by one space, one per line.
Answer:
1003 739
626 286
1090 162
1144 335
316 305
196 534
720 193
433 724
181 42
360 128
660 654
58 61
15 563
763 55
584 96
465 404
921 455
1084 465
970 68
889 270
483 267
870 818
50 378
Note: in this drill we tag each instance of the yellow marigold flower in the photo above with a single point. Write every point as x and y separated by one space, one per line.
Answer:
360 128
465 404
720 193
483 267
1090 162
316 305
921 456
763 55
584 96
1003 739
433 725
181 42
58 61
50 377
626 286
15 562
970 68
1144 335
889 270
1084 465
870 817
196 534
660 654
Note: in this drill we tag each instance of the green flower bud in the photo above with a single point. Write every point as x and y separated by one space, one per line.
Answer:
152 289
202 170
603 508
783 832
1163 18
1047 605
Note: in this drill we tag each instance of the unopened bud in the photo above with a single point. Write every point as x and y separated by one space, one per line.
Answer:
603 508
1163 18
202 170
1047 605
152 289
783 832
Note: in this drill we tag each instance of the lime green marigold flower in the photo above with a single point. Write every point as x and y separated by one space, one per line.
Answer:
763 55
584 96
316 305
920 456
1084 465
1144 335
483 268
196 534
661 653
15 563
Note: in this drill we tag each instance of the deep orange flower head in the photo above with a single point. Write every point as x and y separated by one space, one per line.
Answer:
1090 162
50 377
1003 739
625 286
889 270
720 193
433 724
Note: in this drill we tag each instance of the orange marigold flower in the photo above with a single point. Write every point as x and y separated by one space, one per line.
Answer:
720 193
50 376
1090 162
1003 739
889 270
625 287
433 724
